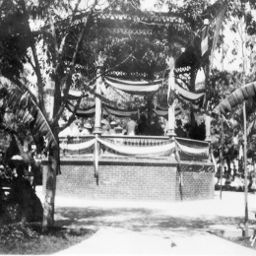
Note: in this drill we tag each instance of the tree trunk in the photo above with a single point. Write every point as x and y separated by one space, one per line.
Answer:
50 171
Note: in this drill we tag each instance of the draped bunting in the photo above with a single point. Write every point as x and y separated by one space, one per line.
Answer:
164 112
204 39
183 82
138 150
120 112
134 86
73 94
161 112
187 95
77 146
90 111
143 87
200 80
193 151
135 150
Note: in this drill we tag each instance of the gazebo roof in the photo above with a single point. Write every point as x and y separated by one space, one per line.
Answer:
143 39
117 32
136 24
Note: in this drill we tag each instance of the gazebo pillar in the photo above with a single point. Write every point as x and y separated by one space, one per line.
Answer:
207 119
171 98
98 105
98 111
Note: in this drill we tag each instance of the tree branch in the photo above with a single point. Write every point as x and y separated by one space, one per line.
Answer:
55 54
72 117
37 65
68 78
62 44
89 84
31 63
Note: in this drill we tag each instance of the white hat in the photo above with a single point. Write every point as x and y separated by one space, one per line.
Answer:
87 125
104 121
17 157
113 122
119 128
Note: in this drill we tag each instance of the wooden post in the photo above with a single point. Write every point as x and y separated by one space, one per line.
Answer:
245 175
243 37
171 98
221 154
96 158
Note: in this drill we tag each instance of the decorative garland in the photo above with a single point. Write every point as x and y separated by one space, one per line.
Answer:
134 86
77 146
135 150
90 111
120 112
192 151
187 95
87 112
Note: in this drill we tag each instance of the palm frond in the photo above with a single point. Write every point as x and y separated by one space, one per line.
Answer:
250 127
235 98
20 99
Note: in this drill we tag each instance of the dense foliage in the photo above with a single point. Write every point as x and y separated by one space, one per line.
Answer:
14 39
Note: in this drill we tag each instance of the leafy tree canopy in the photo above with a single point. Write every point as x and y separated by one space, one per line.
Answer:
13 40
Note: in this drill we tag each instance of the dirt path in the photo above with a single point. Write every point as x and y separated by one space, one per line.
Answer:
179 223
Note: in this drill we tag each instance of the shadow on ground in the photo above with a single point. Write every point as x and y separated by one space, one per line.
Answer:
137 220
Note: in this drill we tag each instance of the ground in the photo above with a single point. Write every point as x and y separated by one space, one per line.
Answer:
177 223
28 239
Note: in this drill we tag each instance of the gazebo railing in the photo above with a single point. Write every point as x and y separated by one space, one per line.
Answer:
139 141
135 141
84 145
73 141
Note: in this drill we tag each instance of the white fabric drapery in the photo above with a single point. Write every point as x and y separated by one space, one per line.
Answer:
77 146
135 150
134 86
138 150
193 151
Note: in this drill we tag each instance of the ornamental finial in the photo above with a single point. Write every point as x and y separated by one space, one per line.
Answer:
101 59
170 62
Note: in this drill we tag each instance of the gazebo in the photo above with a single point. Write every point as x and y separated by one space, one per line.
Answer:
143 167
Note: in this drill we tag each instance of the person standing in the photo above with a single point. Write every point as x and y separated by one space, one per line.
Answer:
131 126
87 129
113 125
105 127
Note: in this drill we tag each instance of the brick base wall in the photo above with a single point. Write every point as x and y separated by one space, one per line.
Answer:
196 186
197 182
128 181
118 182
